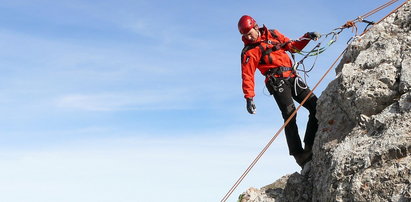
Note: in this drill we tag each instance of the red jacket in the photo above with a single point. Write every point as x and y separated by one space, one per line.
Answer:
252 53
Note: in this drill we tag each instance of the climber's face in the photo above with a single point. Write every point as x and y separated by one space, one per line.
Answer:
252 35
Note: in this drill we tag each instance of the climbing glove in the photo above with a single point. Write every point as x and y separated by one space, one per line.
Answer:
250 106
314 35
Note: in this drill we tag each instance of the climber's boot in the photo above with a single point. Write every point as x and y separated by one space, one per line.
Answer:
303 158
308 148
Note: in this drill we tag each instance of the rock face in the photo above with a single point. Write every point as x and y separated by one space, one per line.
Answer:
362 151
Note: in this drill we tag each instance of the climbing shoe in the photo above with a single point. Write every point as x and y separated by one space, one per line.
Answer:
308 148
303 158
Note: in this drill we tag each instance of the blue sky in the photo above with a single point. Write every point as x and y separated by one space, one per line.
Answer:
141 100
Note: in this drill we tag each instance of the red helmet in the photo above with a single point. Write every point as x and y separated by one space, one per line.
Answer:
245 24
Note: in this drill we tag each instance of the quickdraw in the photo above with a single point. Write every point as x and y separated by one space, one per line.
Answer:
318 49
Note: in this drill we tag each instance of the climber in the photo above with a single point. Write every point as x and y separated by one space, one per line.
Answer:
265 50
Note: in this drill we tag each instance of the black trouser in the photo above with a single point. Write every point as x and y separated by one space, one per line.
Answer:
283 91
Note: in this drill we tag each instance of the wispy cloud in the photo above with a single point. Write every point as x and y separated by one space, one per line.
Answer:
138 100
120 169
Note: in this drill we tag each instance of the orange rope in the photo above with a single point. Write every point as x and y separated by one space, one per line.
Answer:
303 102
352 23
379 8
387 15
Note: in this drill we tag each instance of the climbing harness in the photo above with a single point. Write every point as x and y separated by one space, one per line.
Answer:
340 29
275 78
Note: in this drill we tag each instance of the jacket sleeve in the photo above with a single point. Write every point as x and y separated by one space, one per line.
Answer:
249 62
293 46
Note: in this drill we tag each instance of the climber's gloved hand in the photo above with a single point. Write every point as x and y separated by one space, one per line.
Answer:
250 105
314 35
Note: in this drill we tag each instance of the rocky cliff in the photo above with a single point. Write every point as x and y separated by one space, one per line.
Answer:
362 151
